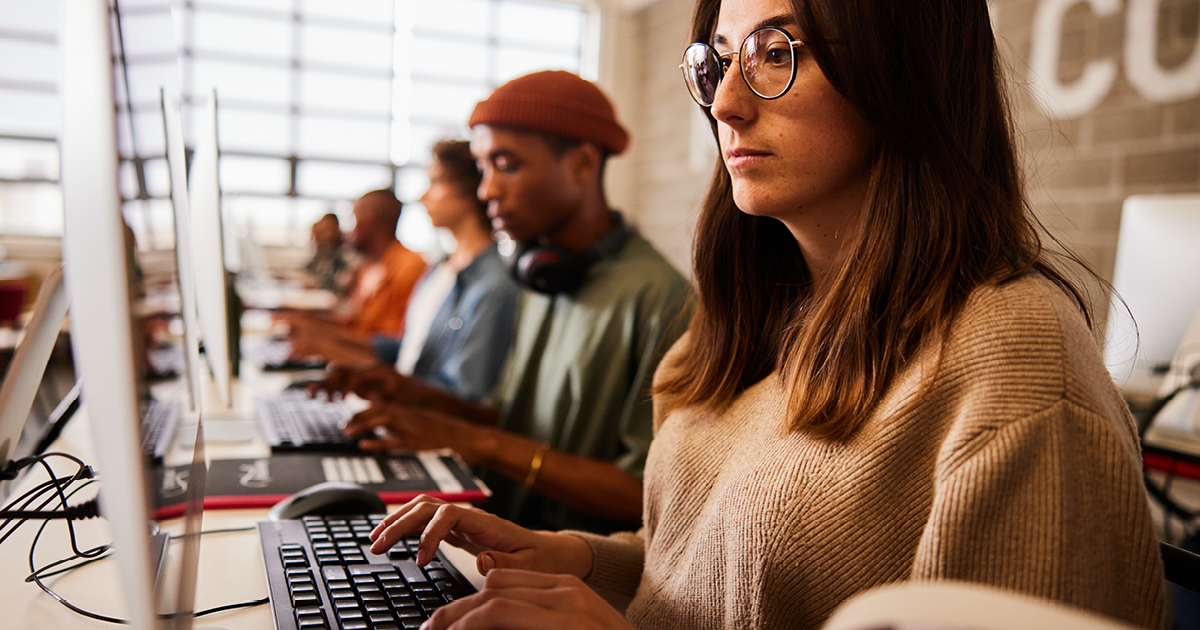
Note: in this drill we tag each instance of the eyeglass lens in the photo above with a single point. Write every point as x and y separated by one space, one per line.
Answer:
766 57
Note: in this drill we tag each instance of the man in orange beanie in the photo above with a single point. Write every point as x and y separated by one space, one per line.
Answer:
566 441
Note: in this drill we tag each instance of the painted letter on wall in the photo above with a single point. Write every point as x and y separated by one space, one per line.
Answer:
1079 97
1150 79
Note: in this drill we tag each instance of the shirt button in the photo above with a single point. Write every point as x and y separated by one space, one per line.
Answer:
455 323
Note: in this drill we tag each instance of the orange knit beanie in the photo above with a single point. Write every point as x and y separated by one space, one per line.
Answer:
554 102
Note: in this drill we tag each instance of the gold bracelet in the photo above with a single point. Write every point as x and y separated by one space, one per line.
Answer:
535 466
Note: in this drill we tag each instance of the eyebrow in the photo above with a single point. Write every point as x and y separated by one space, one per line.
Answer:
779 21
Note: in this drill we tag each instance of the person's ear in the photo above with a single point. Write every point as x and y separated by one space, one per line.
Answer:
584 162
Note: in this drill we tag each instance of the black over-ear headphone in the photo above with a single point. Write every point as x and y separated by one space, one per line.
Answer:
551 269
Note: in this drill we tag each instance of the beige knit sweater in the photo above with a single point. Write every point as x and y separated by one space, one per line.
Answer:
1017 467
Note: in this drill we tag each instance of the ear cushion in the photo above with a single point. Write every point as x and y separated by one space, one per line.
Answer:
550 269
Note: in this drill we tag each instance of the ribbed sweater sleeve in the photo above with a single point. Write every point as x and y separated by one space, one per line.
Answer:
617 562
1046 505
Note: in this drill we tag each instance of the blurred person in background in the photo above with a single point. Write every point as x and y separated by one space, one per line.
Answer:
335 262
461 316
379 295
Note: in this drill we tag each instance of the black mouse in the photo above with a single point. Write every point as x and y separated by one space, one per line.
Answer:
329 498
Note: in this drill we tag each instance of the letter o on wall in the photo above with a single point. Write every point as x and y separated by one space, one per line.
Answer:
1151 80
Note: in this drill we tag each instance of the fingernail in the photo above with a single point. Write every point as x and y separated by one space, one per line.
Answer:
486 563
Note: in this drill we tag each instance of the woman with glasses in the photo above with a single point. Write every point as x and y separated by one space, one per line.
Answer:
886 379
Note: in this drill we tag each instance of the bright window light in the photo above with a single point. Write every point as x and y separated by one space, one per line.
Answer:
319 101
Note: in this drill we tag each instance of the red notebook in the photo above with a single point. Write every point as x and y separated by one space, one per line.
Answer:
263 482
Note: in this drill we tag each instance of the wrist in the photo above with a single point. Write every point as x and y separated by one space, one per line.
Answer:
480 446
575 555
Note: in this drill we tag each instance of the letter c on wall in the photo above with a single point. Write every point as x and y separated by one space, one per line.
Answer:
1056 99
1141 63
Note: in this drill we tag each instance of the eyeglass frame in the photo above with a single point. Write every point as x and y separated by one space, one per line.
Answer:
721 56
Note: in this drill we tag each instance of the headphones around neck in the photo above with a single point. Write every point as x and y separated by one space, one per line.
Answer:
551 269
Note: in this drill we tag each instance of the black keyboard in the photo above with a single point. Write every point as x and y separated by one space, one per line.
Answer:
159 421
321 574
291 421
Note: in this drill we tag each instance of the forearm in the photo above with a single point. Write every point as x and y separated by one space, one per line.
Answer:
591 486
343 347
416 393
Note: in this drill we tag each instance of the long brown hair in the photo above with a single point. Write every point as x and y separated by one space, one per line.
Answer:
945 213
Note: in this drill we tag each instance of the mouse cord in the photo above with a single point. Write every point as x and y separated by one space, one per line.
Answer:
36 576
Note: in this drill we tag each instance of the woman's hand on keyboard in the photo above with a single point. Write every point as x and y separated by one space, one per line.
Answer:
496 543
525 599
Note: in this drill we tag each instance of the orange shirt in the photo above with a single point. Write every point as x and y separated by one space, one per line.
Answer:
380 295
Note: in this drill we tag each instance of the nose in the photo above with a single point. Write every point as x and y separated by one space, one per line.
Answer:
488 187
733 101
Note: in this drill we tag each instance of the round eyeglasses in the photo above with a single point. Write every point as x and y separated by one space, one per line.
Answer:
767 59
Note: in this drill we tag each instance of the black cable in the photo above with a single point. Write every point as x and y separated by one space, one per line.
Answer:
53 483
37 579
58 487
83 511
67 569
249 604
218 531
37 575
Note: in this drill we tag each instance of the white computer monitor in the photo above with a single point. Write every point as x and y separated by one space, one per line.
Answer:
184 256
208 250
28 365
103 338
1158 255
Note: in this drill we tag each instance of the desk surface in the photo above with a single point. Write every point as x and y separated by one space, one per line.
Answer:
230 569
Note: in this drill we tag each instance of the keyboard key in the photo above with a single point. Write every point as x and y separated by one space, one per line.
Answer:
309 610
412 573
406 601
349 613
386 626
335 573
377 618
371 569
356 624
341 593
409 612
313 622
444 586
309 599
375 607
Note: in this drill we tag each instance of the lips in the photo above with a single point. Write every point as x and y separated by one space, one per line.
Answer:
742 157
